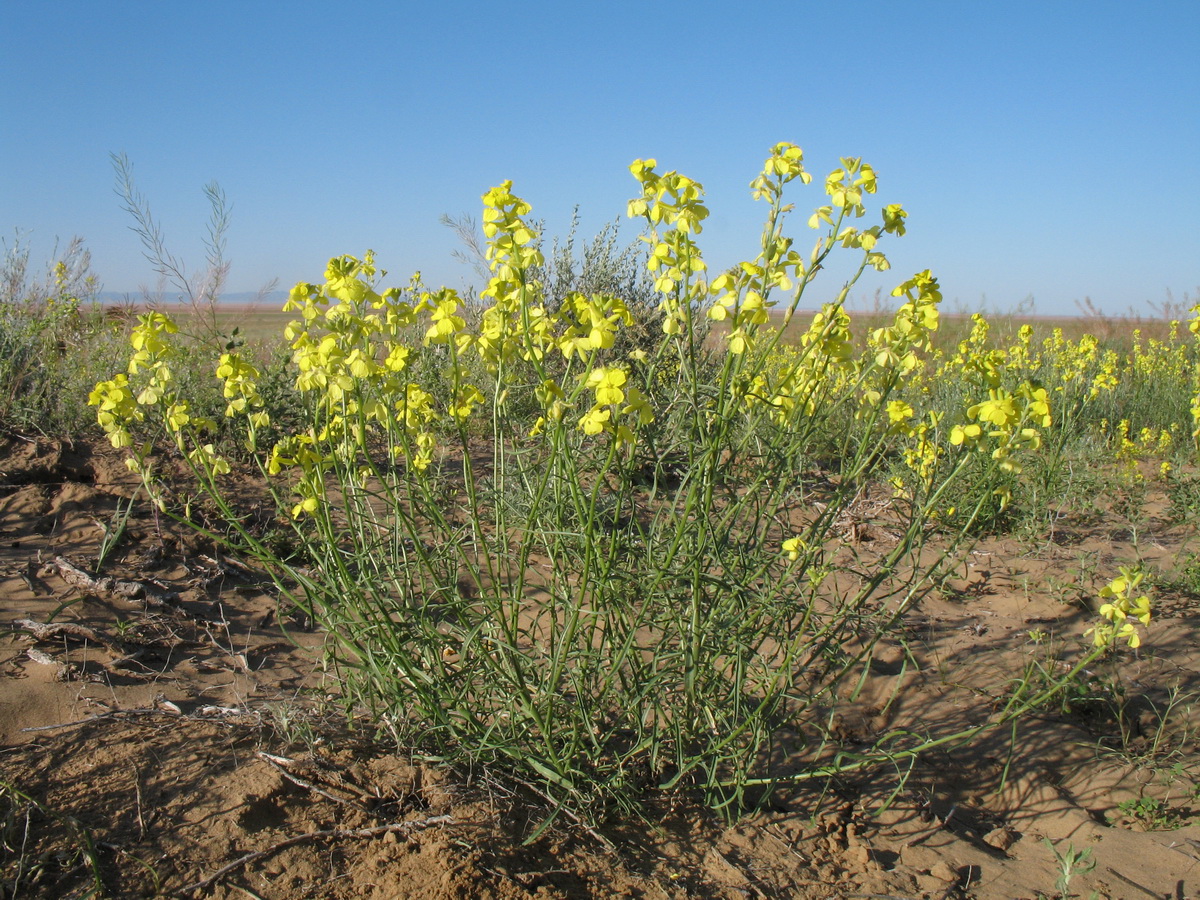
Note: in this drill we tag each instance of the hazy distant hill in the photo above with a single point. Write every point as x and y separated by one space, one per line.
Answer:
270 299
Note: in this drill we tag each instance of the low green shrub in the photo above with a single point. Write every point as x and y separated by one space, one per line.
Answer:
55 341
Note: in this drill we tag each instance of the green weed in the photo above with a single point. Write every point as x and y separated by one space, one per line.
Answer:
1071 862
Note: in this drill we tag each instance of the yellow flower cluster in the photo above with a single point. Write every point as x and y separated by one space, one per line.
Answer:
673 200
1194 328
1119 608
895 351
353 348
119 407
1129 451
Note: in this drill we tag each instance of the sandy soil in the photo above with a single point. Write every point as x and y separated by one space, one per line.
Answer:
175 721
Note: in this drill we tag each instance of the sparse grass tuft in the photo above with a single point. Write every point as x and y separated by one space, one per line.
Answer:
29 864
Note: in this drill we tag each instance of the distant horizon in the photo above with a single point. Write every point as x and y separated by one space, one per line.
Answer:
245 300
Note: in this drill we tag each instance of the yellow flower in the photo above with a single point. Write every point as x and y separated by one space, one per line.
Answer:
1120 607
998 410
177 416
595 420
307 505
793 547
899 411
965 434
206 456
607 383
640 405
397 358
739 341
466 399
444 323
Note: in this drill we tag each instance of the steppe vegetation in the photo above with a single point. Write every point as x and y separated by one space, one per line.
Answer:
621 531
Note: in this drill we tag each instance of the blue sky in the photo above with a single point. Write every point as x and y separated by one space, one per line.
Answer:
1041 148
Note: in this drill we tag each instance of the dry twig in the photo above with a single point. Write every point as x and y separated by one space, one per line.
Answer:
148 592
282 763
68 630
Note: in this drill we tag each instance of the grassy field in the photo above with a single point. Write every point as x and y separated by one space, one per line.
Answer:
265 322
